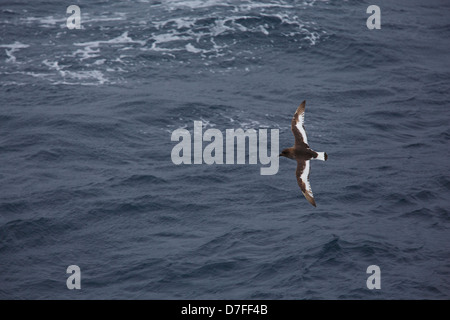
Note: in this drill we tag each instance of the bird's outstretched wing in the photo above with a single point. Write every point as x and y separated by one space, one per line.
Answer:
302 174
298 129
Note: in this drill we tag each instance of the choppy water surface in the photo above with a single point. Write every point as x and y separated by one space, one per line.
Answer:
86 175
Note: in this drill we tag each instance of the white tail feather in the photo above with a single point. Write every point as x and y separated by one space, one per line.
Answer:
321 156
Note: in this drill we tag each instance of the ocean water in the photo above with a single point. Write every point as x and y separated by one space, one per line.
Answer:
87 179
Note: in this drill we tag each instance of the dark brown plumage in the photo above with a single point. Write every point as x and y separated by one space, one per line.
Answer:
302 153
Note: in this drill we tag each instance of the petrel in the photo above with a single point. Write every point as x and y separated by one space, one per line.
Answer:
302 153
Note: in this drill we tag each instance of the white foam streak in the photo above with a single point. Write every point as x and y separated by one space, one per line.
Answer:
47 22
124 38
14 47
80 77
191 48
92 48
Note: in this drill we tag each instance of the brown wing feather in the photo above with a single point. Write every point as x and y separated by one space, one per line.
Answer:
301 164
299 141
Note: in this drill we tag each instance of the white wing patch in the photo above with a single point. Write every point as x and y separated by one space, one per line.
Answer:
305 178
301 128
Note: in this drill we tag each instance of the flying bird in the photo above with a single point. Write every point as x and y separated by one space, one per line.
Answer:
302 153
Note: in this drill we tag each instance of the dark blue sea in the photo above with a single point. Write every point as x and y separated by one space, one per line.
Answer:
87 178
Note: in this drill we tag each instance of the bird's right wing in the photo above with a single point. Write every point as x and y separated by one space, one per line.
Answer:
298 129
302 174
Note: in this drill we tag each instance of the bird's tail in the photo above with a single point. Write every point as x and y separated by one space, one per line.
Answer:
322 156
